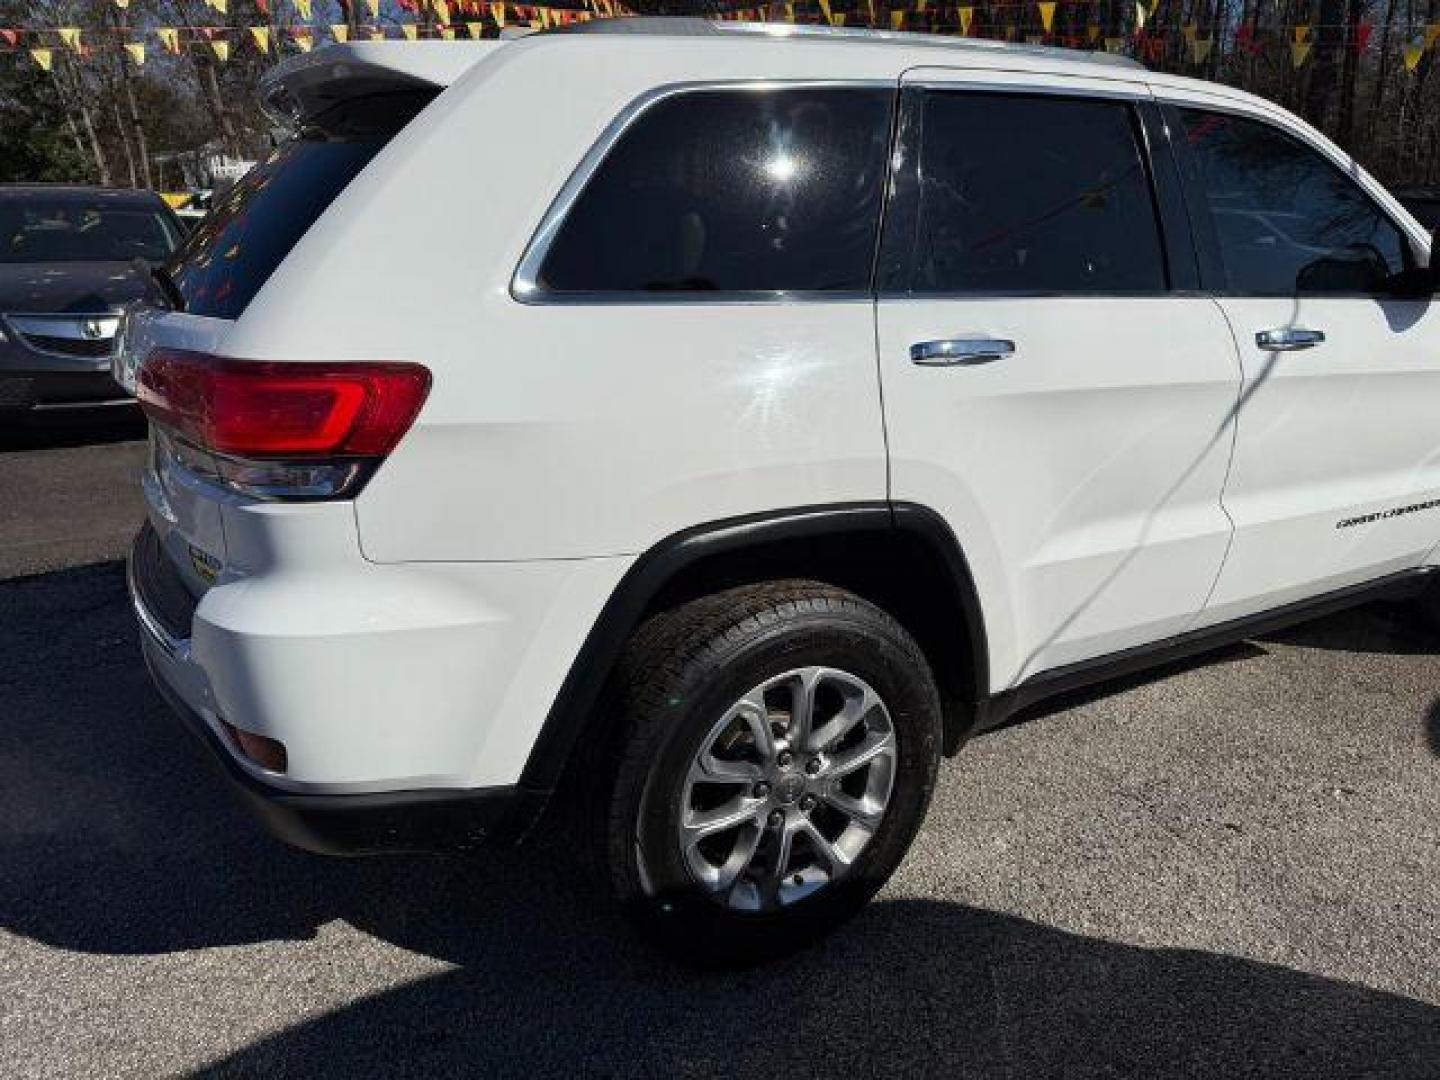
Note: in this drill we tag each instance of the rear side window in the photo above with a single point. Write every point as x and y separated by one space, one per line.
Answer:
735 190
1019 194
1286 219
235 249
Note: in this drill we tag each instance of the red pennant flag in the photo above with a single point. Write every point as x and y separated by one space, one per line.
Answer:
1362 37
263 6
10 37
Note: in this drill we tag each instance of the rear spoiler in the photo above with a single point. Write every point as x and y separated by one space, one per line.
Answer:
309 83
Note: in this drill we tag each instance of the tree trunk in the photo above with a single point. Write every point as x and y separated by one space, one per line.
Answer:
101 168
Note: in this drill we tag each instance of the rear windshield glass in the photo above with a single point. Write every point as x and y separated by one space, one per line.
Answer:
235 249
68 230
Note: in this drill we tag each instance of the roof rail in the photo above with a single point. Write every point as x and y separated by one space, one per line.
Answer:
689 26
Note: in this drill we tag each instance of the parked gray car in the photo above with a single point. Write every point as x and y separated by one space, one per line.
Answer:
70 258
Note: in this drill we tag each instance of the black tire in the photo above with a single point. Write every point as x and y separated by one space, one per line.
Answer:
681 672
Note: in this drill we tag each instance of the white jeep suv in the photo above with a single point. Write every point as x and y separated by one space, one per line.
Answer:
719 423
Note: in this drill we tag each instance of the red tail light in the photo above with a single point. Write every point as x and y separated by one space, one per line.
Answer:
264 410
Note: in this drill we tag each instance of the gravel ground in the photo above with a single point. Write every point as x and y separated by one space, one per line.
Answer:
1225 869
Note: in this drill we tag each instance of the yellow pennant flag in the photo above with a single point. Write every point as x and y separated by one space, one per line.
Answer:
303 39
1047 14
43 57
1092 33
825 10
447 33
1199 50
442 11
790 13
222 50
70 37
1114 44
340 32
919 7
373 7
169 38
303 7
967 15
476 29
497 12
1413 52
897 19
1189 31
136 49
1299 53
838 19
871 5
219 5
1432 35
261 34
1302 35
1141 14
122 4
408 29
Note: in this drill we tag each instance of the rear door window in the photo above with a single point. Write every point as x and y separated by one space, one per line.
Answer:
732 190
1014 193
237 246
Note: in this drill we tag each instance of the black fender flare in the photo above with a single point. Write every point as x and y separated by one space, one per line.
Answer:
628 605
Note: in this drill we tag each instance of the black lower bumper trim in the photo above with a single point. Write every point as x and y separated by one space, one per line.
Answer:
439 820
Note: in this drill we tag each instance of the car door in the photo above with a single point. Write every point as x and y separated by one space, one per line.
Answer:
1053 385
1336 473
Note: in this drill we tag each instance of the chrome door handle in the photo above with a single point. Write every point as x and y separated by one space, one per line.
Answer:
954 352
1288 339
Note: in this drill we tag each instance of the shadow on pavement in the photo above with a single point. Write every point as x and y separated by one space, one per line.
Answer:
1432 728
56 430
116 838
1387 628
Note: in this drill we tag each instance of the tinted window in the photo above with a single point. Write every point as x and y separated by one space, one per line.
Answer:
253 226
1026 194
1285 218
732 190
70 230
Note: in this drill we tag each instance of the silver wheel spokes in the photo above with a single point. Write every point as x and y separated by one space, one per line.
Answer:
787 789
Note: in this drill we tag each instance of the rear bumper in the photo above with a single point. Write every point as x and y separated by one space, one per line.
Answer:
44 392
422 820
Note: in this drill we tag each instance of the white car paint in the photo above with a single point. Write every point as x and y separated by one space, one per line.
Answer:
417 635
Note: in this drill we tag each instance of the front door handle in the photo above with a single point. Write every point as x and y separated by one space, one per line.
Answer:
955 352
1288 339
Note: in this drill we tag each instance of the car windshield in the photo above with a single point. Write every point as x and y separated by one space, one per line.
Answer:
73 231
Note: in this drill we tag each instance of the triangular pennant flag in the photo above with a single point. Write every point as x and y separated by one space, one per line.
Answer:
1199 50
222 49
897 19
1093 32
497 12
340 32
219 5
442 11
1432 35
70 36
1361 41
43 57
261 34
302 37
303 7
373 7
10 37
1299 53
967 15
1114 44
263 7
476 29
447 33
169 38
1047 14
1141 14
122 4
136 49
1413 52
1302 35
409 30
790 13
825 10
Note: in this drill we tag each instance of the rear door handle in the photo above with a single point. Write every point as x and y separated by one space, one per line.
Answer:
1289 339
956 352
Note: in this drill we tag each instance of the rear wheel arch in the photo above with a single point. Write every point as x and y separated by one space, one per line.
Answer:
902 557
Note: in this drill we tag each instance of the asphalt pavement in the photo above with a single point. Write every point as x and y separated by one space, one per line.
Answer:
1225 869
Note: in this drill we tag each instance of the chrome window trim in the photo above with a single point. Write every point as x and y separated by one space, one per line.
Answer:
525 285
